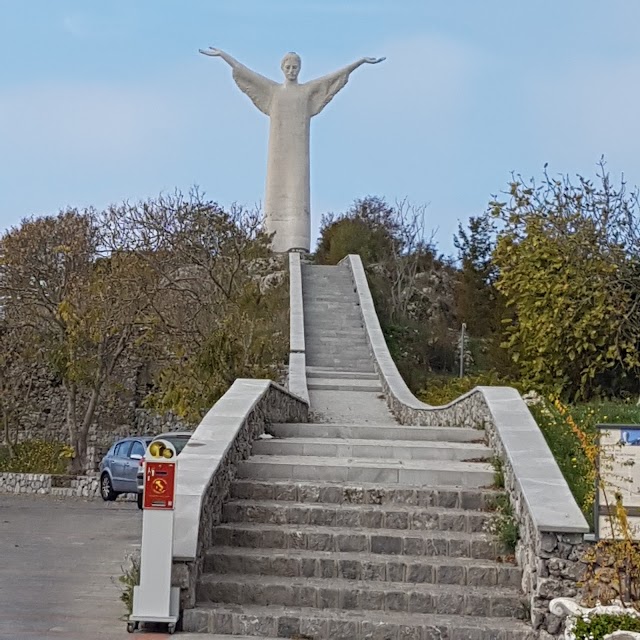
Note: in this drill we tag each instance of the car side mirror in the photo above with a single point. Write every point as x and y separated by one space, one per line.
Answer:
135 456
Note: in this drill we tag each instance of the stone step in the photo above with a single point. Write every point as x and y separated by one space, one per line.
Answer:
341 384
379 449
359 349
336 321
328 298
411 472
299 563
335 332
376 432
328 291
441 599
332 320
328 360
329 324
406 518
203 635
333 493
329 624
318 343
343 295
364 367
326 279
311 274
332 340
317 372
356 365
344 539
343 310
346 353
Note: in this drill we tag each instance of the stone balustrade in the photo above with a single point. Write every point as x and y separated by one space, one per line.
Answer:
208 464
551 525
297 379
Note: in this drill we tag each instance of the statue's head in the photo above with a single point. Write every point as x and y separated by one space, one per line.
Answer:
290 66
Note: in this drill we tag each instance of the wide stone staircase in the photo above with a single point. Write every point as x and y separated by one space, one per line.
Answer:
353 526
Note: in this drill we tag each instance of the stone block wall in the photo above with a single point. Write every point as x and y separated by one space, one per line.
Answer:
244 410
46 484
550 523
119 414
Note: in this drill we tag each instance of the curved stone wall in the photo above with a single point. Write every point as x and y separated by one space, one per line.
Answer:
550 522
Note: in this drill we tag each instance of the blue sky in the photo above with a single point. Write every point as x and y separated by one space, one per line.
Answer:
106 101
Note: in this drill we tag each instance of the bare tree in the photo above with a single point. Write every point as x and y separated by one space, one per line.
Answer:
81 298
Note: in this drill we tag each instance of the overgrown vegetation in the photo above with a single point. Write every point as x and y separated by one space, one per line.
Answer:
503 523
598 626
36 456
129 578
568 256
176 280
441 389
412 287
570 432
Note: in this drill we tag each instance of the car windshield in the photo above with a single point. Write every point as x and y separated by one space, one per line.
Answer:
179 442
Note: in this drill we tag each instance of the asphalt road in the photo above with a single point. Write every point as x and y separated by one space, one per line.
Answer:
59 564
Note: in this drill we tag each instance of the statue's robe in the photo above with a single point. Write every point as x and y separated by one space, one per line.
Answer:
290 108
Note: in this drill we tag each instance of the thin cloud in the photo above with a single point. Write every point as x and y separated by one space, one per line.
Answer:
585 109
84 26
338 7
65 120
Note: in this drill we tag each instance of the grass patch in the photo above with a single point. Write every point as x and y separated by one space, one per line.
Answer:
565 444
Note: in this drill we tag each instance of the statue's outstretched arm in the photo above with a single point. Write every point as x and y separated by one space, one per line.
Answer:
358 63
322 90
256 86
219 53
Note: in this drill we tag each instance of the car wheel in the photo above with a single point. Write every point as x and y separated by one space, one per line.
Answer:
106 488
139 501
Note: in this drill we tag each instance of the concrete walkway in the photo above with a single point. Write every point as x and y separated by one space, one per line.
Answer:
59 563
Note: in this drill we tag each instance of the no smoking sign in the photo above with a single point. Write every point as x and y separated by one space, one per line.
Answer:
159 485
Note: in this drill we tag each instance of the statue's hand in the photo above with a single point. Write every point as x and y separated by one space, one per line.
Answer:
373 60
211 51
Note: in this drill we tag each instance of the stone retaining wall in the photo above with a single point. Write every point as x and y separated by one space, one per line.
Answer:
42 413
43 483
551 525
208 466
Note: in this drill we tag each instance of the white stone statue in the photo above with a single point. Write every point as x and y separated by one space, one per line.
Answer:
290 107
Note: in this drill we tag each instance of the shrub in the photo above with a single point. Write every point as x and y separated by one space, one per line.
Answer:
503 523
444 389
567 255
570 432
130 578
598 626
37 456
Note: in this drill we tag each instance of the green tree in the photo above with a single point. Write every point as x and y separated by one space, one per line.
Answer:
476 296
368 228
570 274
221 310
477 301
82 301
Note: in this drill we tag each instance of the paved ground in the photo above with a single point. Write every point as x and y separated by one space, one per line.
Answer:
59 563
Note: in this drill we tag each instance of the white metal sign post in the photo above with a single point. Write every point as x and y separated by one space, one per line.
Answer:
155 600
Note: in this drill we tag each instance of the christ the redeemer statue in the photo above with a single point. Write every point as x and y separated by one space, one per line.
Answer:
290 107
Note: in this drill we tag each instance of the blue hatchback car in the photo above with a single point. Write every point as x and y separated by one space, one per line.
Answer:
119 467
